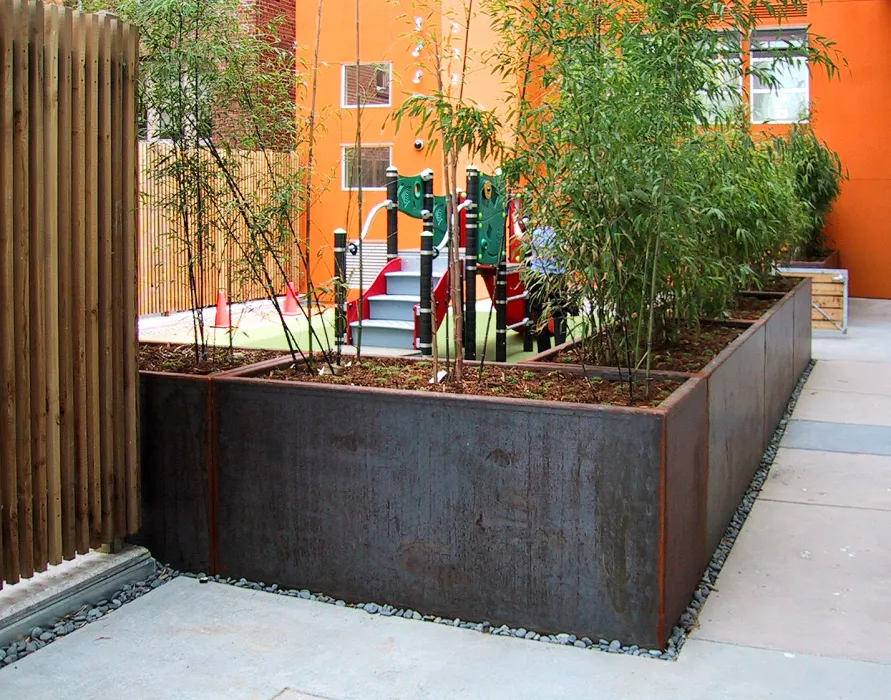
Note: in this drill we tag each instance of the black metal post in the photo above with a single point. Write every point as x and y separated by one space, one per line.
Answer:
501 301
425 342
393 212
340 236
471 254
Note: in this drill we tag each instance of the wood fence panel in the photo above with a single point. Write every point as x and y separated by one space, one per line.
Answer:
163 262
68 226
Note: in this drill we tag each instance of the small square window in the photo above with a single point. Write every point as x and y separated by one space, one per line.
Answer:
371 172
371 88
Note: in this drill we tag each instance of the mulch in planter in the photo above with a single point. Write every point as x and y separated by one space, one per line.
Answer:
181 358
751 308
496 381
692 352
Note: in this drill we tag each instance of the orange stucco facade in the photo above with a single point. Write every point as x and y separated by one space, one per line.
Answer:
852 113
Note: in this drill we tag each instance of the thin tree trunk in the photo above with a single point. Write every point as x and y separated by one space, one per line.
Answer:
310 165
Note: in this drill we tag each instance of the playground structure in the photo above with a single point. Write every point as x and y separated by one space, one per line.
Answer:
408 300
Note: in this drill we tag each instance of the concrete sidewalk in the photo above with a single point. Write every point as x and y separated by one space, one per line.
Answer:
800 610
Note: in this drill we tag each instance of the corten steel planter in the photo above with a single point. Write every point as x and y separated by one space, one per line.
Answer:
553 516
830 262
749 385
176 450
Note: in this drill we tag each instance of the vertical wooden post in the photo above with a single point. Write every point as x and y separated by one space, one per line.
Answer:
9 525
52 331
77 268
340 236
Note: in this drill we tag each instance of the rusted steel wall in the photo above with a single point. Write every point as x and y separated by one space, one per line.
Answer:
176 488
780 377
544 516
686 485
736 426
802 343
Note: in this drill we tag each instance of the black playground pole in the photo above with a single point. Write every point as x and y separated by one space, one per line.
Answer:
340 236
393 213
501 298
471 254
527 331
425 341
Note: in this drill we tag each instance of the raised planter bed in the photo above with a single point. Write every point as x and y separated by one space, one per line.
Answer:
748 385
830 262
559 517
176 445
555 516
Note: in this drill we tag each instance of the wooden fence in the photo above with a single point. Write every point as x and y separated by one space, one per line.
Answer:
69 476
165 248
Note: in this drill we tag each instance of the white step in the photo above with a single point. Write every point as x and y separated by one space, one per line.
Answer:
406 283
397 307
384 333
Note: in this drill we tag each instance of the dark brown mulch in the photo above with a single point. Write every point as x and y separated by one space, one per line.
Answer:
500 382
693 351
181 358
781 284
750 308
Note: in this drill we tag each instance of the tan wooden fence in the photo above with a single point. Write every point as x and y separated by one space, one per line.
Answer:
164 250
69 474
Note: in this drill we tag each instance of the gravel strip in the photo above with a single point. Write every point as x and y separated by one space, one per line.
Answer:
40 637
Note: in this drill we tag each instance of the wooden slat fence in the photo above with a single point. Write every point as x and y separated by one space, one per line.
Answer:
164 248
69 476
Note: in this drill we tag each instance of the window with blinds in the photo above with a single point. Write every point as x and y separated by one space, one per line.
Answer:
370 169
370 84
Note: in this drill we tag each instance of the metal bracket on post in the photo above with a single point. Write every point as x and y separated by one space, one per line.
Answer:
340 236
425 341
393 213
471 255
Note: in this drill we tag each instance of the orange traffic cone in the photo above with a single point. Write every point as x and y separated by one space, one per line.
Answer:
222 320
290 308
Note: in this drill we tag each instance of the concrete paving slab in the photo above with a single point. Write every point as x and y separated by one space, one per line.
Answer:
187 640
810 579
843 407
829 478
837 437
868 338
846 375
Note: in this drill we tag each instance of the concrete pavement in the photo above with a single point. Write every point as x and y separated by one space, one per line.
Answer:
800 609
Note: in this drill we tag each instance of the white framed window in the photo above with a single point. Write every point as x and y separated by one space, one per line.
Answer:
725 88
371 171
370 84
780 79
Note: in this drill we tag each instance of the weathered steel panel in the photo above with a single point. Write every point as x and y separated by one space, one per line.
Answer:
802 342
523 513
686 485
736 426
173 446
779 363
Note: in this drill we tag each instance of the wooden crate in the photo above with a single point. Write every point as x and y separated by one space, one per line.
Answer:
829 300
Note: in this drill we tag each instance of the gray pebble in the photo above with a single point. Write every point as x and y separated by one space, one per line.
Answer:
579 643
615 645
563 639
372 608
521 632
31 646
2 654
655 652
417 616
10 658
340 603
36 632
304 594
116 604
47 637
530 635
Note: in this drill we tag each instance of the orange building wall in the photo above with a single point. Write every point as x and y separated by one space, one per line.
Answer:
853 115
